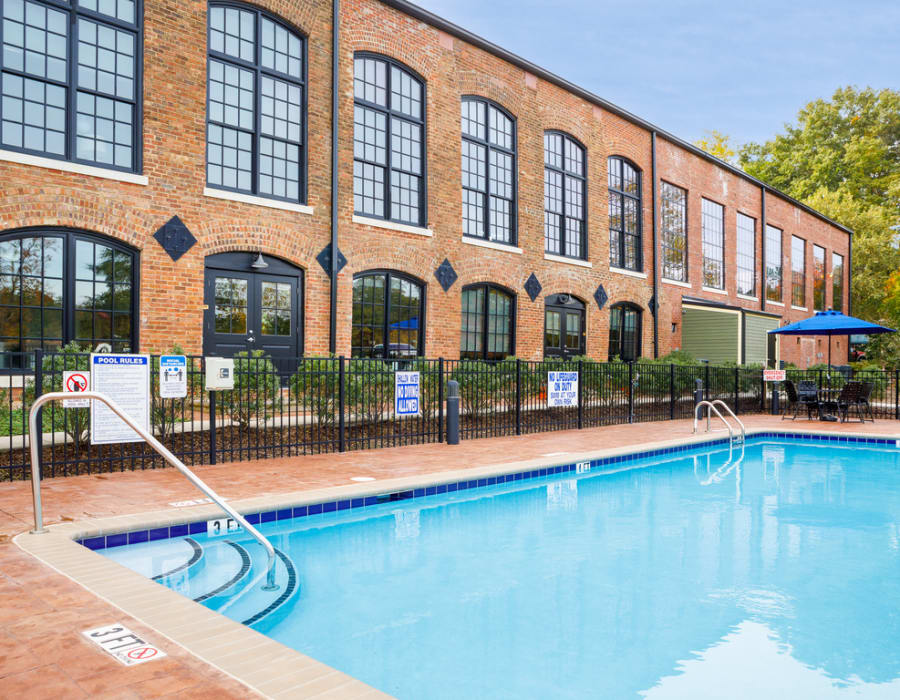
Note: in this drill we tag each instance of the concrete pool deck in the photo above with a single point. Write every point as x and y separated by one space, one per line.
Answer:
42 612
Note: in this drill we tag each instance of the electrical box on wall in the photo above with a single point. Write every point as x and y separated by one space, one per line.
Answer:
219 373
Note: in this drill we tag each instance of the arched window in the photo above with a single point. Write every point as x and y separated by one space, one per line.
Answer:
488 171
564 192
256 121
388 141
624 215
388 315
625 332
71 81
488 322
57 286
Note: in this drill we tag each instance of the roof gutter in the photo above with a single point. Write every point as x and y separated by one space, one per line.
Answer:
467 36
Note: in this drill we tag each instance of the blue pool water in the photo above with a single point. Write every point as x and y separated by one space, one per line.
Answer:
675 577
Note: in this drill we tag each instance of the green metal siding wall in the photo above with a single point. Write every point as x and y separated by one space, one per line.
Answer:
756 337
710 335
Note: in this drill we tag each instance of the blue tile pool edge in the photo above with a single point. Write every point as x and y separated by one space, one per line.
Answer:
284 513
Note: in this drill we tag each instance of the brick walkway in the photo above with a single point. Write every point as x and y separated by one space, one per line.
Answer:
42 653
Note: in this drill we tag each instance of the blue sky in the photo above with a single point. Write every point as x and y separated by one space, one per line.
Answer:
744 68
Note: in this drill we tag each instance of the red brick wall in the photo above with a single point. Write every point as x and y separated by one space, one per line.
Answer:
171 305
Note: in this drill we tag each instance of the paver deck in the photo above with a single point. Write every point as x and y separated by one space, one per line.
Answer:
42 613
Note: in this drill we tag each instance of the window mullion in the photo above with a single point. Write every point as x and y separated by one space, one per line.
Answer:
72 87
257 135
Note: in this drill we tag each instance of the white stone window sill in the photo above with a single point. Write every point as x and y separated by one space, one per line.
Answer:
258 201
567 261
492 245
392 225
747 298
68 167
799 308
676 283
713 290
775 303
629 273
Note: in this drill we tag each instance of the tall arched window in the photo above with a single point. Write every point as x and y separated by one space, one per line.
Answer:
488 322
488 171
624 214
625 332
57 286
71 80
388 315
256 110
388 141
564 193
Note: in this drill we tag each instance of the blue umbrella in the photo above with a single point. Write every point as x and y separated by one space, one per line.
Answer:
407 324
832 323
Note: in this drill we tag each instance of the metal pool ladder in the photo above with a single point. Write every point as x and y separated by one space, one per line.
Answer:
156 445
711 408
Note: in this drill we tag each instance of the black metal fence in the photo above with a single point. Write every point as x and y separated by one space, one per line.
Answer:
339 404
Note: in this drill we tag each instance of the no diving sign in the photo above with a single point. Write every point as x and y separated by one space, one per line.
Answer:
76 382
122 644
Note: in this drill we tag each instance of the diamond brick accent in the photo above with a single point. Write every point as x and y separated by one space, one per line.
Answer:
175 238
533 287
324 259
445 275
601 297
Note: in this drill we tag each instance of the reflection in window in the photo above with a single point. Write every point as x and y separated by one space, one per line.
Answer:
68 99
488 171
255 113
624 214
487 323
713 232
625 332
673 219
837 282
746 255
773 264
276 308
388 137
798 271
387 315
231 305
564 188
59 286
818 278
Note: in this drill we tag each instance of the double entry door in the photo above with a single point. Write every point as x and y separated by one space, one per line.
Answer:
563 326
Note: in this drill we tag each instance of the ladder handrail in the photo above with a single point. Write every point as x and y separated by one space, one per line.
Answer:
712 408
156 445
733 415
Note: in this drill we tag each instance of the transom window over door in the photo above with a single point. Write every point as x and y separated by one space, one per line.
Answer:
388 141
57 286
71 80
488 171
388 315
624 215
256 122
625 332
564 192
488 323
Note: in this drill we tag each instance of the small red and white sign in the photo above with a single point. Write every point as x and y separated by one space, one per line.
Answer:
124 645
774 375
76 382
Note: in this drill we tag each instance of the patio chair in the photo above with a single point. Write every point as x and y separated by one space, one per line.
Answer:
797 400
851 395
808 393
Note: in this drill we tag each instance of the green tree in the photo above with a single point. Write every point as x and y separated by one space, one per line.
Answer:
717 144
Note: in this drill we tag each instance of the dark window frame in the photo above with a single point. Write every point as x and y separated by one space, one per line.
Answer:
622 307
563 241
258 71
737 228
389 114
819 279
703 241
74 11
488 146
513 299
639 199
70 236
663 200
798 277
780 267
837 305
390 274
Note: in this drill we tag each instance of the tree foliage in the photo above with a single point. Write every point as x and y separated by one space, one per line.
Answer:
717 144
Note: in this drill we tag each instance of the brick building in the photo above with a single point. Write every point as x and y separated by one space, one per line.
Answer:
166 176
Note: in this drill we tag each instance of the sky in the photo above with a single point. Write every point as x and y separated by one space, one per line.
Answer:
689 66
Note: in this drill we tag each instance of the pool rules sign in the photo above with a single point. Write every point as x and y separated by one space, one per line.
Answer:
126 380
406 393
562 389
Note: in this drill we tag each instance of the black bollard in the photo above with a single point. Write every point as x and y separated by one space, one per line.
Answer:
452 412
698 392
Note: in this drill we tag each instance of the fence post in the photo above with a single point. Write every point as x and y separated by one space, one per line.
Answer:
897 394
706 381
631 392
737 389
342 396
580 395
212 422
518 396
440 399
38 390
672 392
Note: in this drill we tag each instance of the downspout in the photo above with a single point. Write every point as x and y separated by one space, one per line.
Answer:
762 250
335 75
655 255
849 287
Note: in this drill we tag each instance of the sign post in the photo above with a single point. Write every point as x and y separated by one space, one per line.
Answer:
562 389
172 377
406 393
75 382
126 380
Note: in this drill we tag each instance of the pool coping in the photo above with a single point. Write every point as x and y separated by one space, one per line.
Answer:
253 659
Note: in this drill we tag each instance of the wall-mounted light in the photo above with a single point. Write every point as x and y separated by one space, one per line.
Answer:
674 327
259 263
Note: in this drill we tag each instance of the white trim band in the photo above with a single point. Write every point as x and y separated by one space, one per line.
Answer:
258 201
713 290
567 261
492 245
676 283
799 308
392 225
775 303
747 298
69 167
629 273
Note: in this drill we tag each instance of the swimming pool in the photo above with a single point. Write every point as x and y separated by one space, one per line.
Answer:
667 576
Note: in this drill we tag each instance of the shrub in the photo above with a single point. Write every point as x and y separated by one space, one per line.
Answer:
316 386
164 413
74 422
257 389
370 388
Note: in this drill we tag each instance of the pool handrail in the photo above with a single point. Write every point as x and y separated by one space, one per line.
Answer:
711 408
157 446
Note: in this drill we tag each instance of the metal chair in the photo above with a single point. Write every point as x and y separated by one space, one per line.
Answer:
797 400
808 393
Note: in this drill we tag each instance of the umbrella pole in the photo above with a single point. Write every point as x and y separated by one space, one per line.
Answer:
829 362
